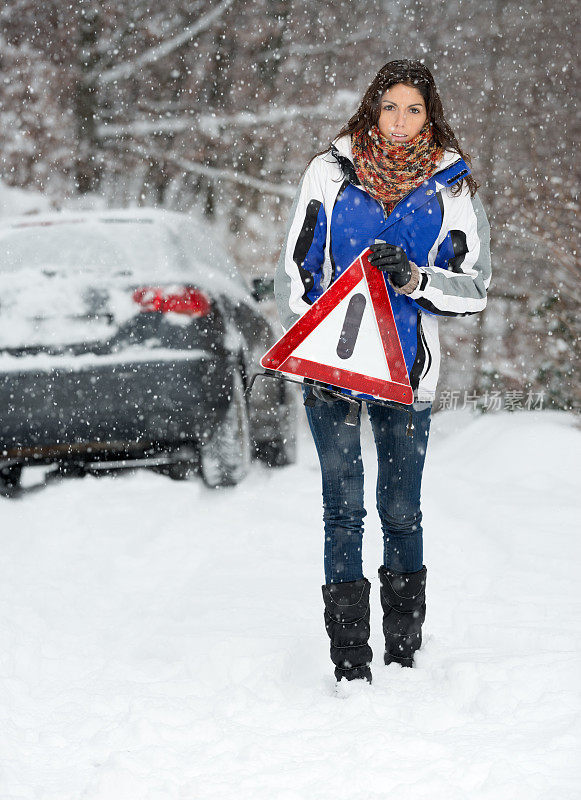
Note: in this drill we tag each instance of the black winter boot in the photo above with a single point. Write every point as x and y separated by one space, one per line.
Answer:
347 623
403 599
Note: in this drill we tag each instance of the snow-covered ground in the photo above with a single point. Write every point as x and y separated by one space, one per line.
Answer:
161 641
15 201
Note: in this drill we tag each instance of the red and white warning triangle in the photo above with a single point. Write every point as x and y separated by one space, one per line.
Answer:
348 338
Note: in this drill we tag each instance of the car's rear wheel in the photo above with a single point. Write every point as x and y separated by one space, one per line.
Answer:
278 453
225 456
10 475
280 450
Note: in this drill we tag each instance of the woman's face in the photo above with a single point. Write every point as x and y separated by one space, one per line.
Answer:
402 113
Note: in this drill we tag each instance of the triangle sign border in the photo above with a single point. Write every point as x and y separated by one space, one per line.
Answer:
280 357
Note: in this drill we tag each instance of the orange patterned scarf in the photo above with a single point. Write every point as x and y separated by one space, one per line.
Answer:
390 171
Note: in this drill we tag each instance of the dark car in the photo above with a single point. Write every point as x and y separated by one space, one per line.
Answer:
128 338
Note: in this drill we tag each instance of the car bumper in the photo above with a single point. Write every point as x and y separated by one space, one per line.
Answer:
107 404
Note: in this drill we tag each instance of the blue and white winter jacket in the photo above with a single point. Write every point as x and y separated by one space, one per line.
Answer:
448 237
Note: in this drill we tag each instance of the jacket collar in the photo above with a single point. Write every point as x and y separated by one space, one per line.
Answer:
442 179
450 170
341 149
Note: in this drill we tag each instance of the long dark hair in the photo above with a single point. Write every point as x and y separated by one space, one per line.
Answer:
418 76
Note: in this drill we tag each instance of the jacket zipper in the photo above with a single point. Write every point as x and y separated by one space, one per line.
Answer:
405 197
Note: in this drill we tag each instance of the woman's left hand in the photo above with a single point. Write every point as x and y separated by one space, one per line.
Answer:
393 260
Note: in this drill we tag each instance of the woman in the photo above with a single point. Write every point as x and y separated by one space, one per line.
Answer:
396 180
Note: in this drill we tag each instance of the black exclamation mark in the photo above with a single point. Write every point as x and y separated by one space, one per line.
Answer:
351 325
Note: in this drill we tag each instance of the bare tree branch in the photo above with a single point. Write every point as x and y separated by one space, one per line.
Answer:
196 168
154 54
338 46
211 122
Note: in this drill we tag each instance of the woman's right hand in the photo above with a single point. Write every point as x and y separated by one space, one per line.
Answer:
393 260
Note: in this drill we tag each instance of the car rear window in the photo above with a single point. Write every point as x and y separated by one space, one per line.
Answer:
106 246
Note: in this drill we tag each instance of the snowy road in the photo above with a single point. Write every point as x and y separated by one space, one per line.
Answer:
161 641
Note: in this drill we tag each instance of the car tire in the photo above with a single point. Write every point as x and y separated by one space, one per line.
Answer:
279 453
182 471
10 475
281 450
225 456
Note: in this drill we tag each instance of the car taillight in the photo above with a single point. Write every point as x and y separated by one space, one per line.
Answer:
183 300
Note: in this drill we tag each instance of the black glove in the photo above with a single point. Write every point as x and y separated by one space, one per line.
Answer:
393 260
323 394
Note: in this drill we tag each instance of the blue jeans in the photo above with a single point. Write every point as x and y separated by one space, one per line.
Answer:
399 479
